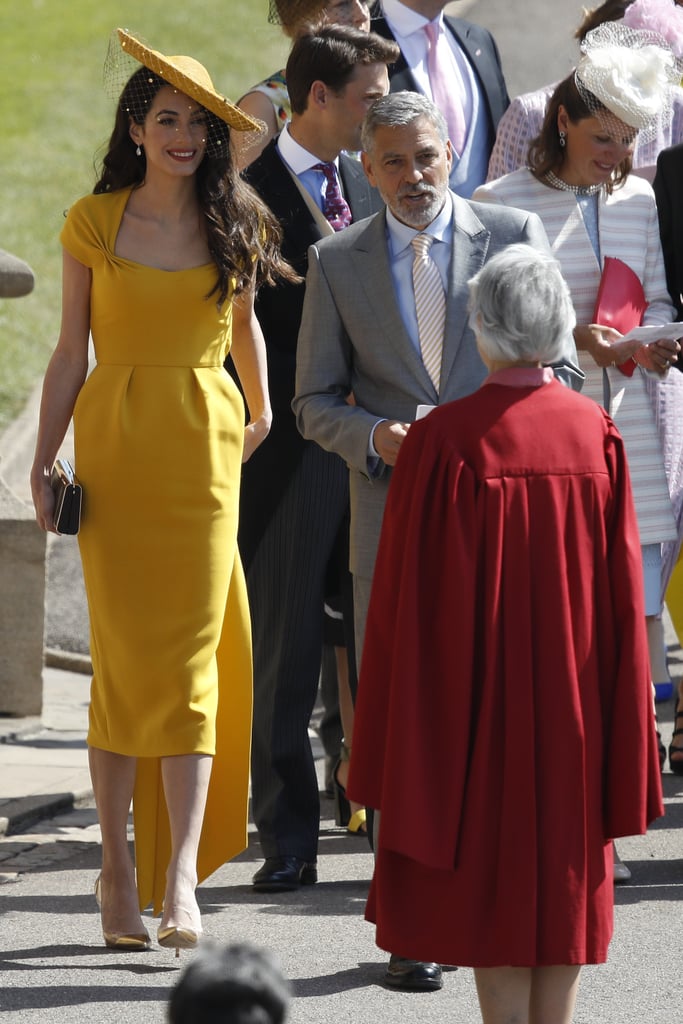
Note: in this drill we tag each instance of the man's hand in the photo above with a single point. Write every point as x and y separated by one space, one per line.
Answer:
388 438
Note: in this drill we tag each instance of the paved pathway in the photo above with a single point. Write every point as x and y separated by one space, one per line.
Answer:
53 965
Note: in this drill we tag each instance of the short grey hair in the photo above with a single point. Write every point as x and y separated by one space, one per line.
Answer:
399 109
520 306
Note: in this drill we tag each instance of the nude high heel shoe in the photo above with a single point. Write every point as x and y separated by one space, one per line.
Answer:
178 938
132 943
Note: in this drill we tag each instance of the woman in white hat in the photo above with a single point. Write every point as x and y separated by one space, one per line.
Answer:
578 181
519 126
522 121
160 265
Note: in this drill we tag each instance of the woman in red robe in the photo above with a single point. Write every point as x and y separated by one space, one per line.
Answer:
505 668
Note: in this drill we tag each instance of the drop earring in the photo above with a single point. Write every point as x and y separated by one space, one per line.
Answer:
563 140
138 151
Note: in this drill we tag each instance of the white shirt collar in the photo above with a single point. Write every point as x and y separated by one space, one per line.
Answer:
294 155
440 229
402 19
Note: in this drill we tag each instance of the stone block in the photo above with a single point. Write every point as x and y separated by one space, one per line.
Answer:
22 607
16 277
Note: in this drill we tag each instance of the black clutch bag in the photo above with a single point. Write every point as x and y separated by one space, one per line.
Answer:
68 497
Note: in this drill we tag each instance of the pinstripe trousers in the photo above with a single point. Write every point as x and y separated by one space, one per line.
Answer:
286 585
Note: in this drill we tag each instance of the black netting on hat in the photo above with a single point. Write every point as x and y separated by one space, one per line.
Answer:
290 12
134 85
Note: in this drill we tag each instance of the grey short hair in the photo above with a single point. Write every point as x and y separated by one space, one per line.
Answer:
399 109
520 306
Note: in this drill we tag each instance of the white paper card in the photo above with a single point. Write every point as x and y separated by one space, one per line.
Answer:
654 333
423 410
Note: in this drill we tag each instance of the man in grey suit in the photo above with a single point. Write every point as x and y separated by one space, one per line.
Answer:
361 329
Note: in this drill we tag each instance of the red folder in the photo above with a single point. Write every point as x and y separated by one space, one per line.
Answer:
621 302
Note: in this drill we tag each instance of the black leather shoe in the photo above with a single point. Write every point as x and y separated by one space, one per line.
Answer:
283 874
413 975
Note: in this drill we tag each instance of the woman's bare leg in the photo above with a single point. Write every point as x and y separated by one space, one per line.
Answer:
186 784
113 779
524 995
553 994
504 994
346 712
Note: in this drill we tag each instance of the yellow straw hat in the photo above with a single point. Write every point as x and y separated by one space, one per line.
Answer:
190 77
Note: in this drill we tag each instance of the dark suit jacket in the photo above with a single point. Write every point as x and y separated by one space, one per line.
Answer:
668 186
279 312
481 51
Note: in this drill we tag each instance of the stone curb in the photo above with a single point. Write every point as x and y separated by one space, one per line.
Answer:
26 811
68 660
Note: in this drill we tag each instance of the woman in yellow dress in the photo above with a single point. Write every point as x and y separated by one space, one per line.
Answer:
160 264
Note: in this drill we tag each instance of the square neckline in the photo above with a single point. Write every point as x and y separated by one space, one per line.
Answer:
116 228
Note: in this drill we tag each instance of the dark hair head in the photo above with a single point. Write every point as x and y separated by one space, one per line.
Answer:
230 985
546 153
134 104
610 10
330 54
292 13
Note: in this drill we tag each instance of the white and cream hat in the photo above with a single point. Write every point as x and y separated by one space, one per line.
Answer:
628 73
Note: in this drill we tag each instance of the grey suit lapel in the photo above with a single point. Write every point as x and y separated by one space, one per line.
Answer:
470 247
361 197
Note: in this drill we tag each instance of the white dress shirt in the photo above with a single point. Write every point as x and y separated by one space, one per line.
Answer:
401 256
407 27
301 162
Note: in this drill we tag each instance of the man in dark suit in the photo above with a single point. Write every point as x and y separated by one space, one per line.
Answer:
295 495
669 195
438 51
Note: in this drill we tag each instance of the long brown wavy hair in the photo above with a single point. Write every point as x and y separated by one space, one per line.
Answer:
243 236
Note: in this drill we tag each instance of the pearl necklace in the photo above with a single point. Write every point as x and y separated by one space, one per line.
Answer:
578 190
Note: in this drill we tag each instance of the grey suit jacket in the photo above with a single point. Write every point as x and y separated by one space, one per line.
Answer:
353 339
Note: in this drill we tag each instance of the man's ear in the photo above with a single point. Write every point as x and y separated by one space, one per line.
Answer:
366 161
317 94
449 154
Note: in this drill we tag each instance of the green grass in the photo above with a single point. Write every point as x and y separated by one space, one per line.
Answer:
55 119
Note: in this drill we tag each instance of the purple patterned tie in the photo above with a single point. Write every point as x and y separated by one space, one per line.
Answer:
335 207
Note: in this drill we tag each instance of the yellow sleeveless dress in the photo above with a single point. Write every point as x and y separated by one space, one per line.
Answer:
159 428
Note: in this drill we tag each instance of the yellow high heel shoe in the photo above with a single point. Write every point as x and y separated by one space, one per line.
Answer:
132 943
356 822
178 938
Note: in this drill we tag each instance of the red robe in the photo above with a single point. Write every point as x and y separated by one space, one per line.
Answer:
504 724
